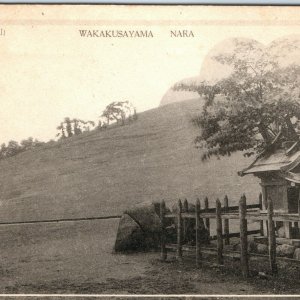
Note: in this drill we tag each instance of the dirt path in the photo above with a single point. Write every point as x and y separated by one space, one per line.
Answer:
77 258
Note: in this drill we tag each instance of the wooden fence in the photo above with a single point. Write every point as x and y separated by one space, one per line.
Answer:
222 215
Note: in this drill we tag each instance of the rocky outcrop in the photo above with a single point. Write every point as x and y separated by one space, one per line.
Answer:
285 250
139 228
262 249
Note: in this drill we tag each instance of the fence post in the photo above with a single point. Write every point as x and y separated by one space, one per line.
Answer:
261 222
207 222
271 238
226 222
243 236
185 220
179 231
198 249
219 232
163 249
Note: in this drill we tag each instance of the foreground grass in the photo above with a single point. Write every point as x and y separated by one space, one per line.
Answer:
78 258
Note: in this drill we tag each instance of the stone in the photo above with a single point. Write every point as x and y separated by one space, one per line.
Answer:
146 214
297 254
285 250
129 235
262 249
139 228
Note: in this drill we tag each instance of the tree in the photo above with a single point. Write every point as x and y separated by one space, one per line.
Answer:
61 133
76 126
249 109
68 124
134 116
27 144
88 125
12 148
3 149
117 111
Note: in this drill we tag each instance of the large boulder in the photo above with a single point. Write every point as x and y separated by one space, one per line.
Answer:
130 236
139 228
262 249
285 250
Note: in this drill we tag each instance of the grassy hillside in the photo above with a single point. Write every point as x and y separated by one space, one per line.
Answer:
103 172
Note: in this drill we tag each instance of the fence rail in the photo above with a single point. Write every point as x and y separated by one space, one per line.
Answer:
222 215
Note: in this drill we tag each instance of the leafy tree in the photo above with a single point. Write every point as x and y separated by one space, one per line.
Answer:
12 148
3 149
88 125
76 126
37 143
134 116
61 133
68 124
256 105
117 111
27 144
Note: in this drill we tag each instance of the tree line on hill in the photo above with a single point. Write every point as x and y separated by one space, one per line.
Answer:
116 112
14 148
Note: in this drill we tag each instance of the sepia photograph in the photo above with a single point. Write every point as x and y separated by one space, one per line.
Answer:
149 151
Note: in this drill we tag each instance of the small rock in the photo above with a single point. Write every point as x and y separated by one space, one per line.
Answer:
262 249
262 275
285 250
297 254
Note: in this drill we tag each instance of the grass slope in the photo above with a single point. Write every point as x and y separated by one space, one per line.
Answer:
103 172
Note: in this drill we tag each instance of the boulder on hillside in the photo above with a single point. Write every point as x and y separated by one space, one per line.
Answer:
129 236
139 228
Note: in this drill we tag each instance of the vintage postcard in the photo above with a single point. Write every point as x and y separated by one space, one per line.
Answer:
149 150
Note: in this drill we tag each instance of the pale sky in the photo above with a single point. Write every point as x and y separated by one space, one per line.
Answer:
49 72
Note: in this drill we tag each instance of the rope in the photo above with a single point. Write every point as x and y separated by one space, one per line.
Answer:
60 220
